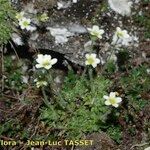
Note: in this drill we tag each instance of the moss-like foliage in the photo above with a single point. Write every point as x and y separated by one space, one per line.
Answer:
79 108
13 75
7 14
143 20
136 85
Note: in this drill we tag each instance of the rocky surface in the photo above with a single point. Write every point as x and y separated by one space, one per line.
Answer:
68 22
65 30
101 142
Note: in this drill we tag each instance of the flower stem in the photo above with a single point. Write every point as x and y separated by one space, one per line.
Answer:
84 72
47 103
90 74
112 51
90 71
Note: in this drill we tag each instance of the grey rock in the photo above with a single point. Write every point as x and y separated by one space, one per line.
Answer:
71 42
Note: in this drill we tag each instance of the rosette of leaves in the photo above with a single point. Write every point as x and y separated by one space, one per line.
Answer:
136 87
79 109
7 15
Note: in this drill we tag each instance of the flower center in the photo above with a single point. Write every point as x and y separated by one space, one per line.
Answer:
112 100
46 63
91 60
120 34
96 33
25 23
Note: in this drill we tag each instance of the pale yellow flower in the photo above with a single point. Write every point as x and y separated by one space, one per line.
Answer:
92 60
112 99
45 61
25 23
148 148
20 15
121 37
44 17
40 83
95 31
122 33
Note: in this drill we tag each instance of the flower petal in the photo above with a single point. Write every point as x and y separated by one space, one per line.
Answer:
115 105
112 94
107 103
87 56
89 29
119 99
48 67
48 57
101 31
95 27
38 66
105 97
93 55
53 61
97 61
40 58
94 65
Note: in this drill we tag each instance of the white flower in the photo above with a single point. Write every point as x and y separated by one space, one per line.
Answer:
112 99
148 148
122 33
40 83
122 7
45 61
121 37
95 31
44 17
20 15
92 60
25 23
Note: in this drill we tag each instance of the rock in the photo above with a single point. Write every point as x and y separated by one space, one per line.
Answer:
70 33
101 142
41 5
61 34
